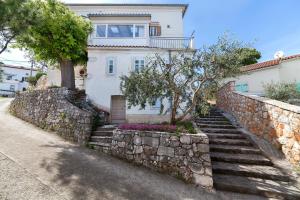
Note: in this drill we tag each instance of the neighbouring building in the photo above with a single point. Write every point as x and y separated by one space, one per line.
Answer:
14 78
253 78
124 37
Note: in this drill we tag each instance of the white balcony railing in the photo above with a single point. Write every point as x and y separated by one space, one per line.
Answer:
172 42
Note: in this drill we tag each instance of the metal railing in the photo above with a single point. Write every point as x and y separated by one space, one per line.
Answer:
172 42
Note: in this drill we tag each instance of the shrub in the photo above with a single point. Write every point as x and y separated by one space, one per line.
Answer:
281 91
32 80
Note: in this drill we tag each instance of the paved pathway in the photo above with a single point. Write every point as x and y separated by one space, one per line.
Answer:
35 164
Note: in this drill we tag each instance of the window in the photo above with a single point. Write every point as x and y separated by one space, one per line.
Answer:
111 66
120 30
139 64
12 88
154 30
9 77
139 31
242 87
101 31
156 104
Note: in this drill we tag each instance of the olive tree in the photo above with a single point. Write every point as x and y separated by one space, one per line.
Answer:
185 78
59 36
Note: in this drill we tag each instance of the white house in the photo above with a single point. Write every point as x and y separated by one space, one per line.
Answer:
14 78
281 70
125 35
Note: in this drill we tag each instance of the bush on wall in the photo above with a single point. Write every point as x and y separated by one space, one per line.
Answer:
282 91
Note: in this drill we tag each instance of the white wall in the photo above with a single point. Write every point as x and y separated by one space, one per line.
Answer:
170 19
54 77
100 86
287 71
16 81
290 71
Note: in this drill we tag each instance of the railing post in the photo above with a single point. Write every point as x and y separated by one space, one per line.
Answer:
191 43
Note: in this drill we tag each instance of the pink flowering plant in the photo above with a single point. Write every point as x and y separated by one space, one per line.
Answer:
149 127
180 127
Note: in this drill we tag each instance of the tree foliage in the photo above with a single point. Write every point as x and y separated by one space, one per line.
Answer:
15 17
60 36
186 79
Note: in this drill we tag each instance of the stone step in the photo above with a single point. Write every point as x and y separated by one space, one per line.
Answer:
102 133
225 126
234 149
213 122
212 119
240 142
220 130
253 159
100 144
225 136
263 187
257 171
102 139
105 129
212 115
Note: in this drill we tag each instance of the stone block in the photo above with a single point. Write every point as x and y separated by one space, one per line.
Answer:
165 151
203 148
185 139
153 142
137 140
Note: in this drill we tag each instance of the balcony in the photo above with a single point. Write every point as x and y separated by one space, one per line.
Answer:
172 42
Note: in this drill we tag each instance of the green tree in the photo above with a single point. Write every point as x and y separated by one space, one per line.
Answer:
15 17
249 56
186 79
60 36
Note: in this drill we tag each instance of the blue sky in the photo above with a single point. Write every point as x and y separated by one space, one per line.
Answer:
271 25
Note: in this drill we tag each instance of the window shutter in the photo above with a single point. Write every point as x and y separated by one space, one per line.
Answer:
158 30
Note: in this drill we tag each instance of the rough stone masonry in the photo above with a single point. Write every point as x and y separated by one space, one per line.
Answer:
51 109
185 156
275 121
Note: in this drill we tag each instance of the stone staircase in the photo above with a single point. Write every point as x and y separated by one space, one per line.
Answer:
101 138
239 165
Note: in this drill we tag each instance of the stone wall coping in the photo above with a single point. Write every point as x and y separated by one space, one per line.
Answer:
272 102
63 90
125 131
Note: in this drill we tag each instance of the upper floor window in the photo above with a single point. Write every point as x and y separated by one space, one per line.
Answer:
120 30
101 31
139 31
154 30
111 66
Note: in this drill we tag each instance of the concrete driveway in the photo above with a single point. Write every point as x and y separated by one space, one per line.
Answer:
35 164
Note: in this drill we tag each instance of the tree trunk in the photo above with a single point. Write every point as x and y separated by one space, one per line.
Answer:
67 74
174 109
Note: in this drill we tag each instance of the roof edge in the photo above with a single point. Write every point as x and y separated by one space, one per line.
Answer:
184 6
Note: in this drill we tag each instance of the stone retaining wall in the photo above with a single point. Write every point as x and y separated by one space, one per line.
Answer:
51 110
272 120
186 156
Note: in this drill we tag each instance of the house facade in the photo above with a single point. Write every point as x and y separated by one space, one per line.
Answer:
282 70
125 36
14 78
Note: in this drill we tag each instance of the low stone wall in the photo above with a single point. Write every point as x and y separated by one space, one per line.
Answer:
51 110
186 156
272 120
